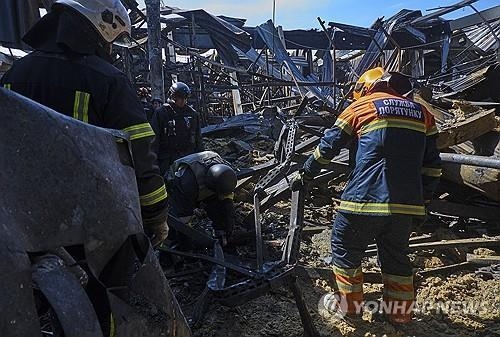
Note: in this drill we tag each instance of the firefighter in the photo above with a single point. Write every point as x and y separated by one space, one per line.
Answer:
397 169
202 179
177 128
69 71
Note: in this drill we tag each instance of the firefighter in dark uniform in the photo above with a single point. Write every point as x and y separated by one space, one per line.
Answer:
204 180
177 128
70 72
397 170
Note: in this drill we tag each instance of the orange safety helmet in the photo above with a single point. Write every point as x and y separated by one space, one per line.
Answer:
366 80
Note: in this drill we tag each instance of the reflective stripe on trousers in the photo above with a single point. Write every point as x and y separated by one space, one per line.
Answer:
350 284
398 297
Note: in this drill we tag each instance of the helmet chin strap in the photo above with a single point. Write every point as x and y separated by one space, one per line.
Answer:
104 51
409 94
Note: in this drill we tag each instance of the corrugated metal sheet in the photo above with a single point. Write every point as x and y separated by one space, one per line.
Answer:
448 9
467 81
269 34
482 36
381 39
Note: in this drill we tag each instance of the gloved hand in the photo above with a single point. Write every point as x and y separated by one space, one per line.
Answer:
156 229
300 180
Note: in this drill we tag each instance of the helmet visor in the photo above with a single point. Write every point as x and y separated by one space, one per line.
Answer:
124 40
180 94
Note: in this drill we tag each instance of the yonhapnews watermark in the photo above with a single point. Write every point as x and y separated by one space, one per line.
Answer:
337 305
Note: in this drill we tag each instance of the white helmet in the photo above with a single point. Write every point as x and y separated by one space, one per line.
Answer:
109 17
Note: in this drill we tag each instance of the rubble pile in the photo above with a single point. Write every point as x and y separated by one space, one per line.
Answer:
275 314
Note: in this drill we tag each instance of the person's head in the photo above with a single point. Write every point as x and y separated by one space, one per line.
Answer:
376 80
108 18
157 103
179 92
395 82
365 82
221 178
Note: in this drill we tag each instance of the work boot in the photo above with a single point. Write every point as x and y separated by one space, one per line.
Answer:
381 316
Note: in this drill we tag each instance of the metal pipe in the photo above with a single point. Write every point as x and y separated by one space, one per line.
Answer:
258 231
489 162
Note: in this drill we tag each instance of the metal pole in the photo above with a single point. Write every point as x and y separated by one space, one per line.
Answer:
258 231
334 50
238 108
274 18
268 89
154 49
489 162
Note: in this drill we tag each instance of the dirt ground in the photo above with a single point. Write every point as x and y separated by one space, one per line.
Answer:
469 303
276 314
471 307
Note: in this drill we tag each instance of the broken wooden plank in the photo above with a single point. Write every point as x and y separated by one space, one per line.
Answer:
457 243
483 260
415 239
453 268
240 145
321 273
444 244
464 211
484 180
255 170
315 229
468 129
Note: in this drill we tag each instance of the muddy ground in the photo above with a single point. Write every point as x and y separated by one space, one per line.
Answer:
276 314
470 302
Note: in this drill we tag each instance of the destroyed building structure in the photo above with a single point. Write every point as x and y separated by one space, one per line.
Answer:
283 88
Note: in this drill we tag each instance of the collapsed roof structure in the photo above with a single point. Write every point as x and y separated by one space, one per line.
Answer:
218 55
235 69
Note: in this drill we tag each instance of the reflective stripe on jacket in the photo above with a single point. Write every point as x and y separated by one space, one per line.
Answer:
397 162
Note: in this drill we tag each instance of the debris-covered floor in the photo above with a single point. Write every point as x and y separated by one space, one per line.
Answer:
470 302
276 314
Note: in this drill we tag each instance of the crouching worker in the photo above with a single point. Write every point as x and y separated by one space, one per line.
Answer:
201 180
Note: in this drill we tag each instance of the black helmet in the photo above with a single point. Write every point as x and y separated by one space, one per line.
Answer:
400 83
221 178
179 89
